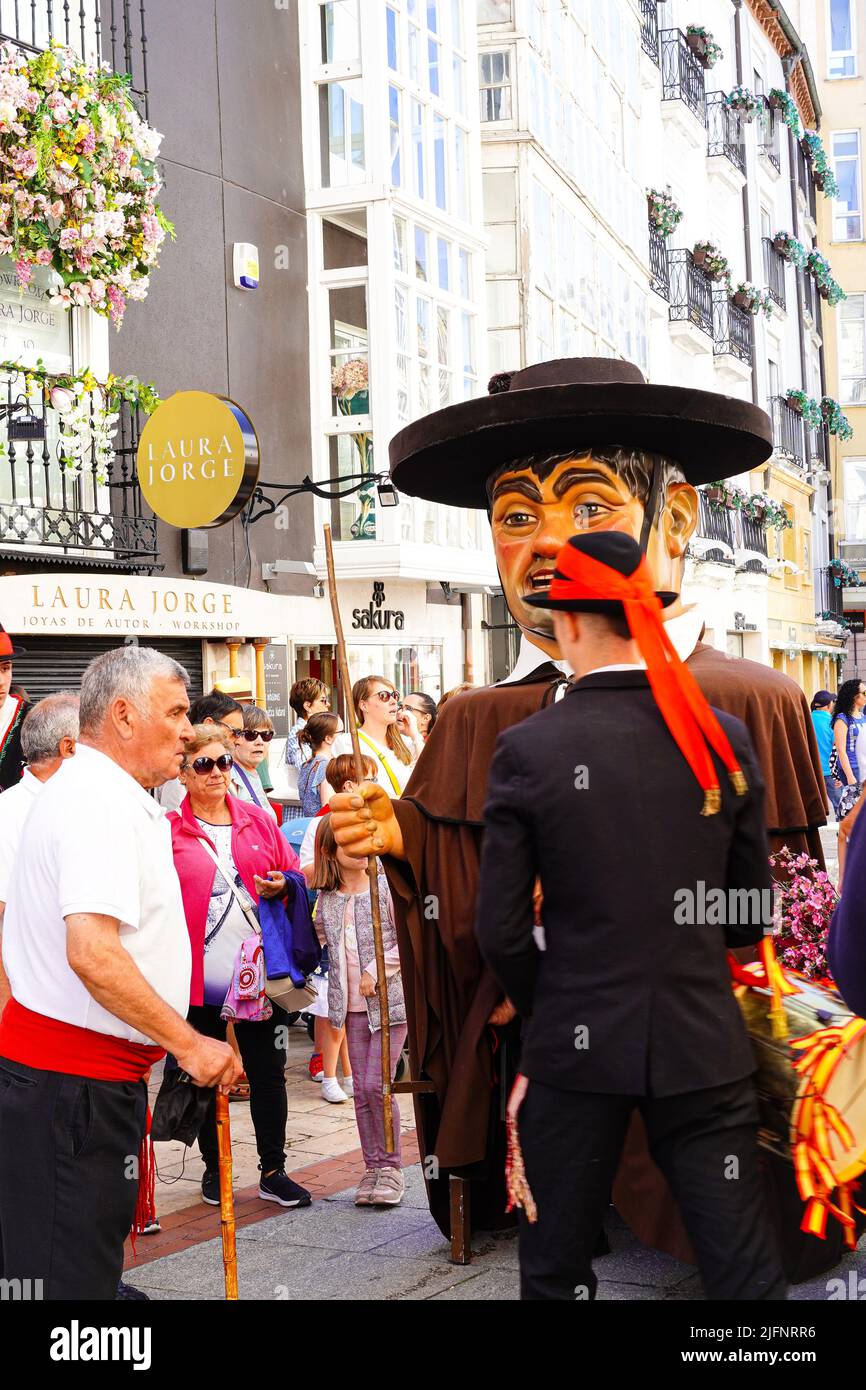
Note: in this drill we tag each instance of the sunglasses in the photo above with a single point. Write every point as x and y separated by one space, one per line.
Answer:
206 765
252 734
386 696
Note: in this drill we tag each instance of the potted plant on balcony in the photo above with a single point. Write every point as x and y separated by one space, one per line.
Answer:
743 101
822 173
664 214
778 100
789 247
703 45
805 405
752 299
833 293
836 422
707 256
80 179
843 576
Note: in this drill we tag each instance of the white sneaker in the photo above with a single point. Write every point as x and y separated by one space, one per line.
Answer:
389 1188
332 1090
349 1087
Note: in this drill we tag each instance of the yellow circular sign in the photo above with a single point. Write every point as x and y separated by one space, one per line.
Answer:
198 460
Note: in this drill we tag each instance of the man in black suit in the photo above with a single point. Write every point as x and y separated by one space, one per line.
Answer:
630 1003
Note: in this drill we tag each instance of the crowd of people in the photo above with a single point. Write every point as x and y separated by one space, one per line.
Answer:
116 961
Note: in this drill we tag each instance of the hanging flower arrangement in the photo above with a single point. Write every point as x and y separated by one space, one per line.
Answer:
709 259
78 180
833 418
87 409
758 506
843 576
664 213
703 45
819 267
807 406
806 902
792 249
749 297
822 174
784 103
744 101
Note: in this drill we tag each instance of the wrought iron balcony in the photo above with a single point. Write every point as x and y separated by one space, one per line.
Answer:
649 29
752 536
110 30
732 329
715 524
682 74
725 131
774 272
828 596
691 293
48 508
788 431
768 137
658 259
808 295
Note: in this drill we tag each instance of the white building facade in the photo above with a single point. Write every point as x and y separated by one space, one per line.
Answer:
396 289
584 107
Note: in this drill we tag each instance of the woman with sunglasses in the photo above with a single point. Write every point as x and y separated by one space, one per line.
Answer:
250 749
254 858
376 706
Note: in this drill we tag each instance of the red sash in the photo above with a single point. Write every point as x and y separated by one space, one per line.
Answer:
50 1045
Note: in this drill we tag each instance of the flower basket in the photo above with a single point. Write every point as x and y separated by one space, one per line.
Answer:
780 244
80 180
796 404
775 101
716 495
807 149
743 300
699 256
824 291
819 180
699 46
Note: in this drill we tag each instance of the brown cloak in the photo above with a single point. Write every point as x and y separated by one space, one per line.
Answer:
450 992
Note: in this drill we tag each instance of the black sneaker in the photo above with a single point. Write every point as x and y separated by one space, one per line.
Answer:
280 1188
210 1187
129 1291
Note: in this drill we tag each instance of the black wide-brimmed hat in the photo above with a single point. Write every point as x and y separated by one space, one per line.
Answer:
575 402
615 549
7 647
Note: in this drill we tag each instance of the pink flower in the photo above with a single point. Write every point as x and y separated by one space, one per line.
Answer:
24 271
44 255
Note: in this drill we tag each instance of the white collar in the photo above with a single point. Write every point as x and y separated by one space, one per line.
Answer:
684 631
529 658
110 768
625 666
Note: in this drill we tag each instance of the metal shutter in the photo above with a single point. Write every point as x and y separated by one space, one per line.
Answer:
57 663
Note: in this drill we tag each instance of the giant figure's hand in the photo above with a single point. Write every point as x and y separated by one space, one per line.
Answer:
364 823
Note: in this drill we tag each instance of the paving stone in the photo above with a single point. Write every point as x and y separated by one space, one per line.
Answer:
487 1286
298 1274
636 1264
336 1226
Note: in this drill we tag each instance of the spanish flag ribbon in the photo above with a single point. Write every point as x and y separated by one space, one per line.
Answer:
683 706
819 1127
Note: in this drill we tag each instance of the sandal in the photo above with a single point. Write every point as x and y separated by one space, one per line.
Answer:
241 1089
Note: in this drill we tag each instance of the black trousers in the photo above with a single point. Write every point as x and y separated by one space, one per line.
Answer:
705 1143
265 1066
68 1178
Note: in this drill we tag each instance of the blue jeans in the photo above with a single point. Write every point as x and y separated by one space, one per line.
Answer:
834 790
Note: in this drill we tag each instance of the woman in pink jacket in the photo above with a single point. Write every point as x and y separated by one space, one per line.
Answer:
254 858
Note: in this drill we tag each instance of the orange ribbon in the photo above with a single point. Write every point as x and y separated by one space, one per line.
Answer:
682 704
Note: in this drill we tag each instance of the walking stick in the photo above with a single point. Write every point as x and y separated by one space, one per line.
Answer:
227 1201
372 862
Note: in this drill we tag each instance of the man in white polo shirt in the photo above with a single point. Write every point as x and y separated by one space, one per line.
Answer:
97 954
48 737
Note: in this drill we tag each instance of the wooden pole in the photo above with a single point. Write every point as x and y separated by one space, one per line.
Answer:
372 861
227 1201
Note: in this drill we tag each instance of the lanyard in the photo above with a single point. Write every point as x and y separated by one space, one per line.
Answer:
383 760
